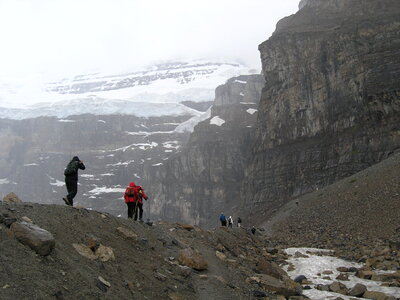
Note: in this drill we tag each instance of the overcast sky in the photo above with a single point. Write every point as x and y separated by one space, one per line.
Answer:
53 38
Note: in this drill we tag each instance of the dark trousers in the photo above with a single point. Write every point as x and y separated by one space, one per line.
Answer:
72 188
223 223
131 208
140 209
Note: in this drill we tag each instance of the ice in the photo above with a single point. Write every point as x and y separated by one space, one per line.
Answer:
217 121
316 264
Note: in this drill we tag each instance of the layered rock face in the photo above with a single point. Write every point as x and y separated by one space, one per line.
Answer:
204 179
331 103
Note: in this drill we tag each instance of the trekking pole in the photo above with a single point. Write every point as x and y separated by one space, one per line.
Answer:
134 215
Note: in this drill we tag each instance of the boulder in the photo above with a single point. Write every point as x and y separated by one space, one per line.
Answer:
375 295
85 251
338 287
358 290
270 268
127 233
33 236
193 259
220 255
285 287
105 253
11 198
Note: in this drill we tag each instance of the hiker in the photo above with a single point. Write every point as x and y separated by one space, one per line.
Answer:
71 179
239 222
222 218
230 222
253 230
133 196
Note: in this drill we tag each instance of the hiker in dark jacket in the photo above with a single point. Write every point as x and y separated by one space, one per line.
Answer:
222 218
133 196
71 179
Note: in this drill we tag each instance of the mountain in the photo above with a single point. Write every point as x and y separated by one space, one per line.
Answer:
203 179
330 106
160 90
120 134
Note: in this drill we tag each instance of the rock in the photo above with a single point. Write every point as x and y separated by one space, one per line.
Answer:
259 294
127 233
358 290
186 226
343 269
338 287
285 287
270 268
375 295
300 279
26 219
192 259
33 236
8 221
105 282
220 255
322 287
300 255
85 251
365 274
11 198
343 277
105 253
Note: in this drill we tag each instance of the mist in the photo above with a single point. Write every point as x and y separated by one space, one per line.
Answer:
46 39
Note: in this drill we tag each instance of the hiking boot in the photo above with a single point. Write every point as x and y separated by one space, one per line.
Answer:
66 201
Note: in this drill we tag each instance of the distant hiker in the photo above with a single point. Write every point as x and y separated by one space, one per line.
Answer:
253 230
222 218
133 196
230 222
239 222
71 179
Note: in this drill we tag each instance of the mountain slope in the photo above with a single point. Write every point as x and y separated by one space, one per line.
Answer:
361 210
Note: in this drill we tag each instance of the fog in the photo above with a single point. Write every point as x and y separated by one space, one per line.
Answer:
49 39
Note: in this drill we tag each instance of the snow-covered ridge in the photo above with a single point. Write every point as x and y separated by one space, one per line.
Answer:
152 91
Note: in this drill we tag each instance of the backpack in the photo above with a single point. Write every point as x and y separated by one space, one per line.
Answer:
222 218
71 168
131 192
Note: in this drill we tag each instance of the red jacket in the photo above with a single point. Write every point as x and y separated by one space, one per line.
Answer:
134 193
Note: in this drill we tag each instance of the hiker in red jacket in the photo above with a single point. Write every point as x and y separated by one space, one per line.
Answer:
133 196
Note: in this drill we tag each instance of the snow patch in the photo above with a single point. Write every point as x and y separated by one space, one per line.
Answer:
217 121
314 264
156 165
57 183
105 190
32 164
66 121
240 81
252 111
188 126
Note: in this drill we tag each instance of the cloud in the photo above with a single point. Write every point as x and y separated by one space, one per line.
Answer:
64 37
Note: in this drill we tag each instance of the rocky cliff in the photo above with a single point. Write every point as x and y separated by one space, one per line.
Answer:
330 106
204 178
